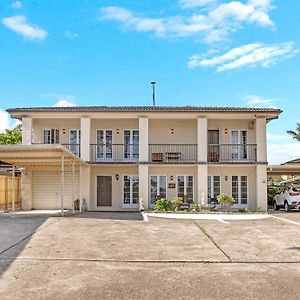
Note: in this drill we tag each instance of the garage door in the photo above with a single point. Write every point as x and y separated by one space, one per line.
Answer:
46 190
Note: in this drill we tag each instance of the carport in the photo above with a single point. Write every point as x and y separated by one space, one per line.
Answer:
44 156
288 169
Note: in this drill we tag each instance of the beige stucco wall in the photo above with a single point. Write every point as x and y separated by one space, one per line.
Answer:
40 124
222 124
228 171
185 131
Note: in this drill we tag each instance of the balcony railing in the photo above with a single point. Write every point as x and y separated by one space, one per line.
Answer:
172 153
75 148
101 153
231 153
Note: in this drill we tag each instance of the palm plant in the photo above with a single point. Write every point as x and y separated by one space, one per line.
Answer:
295 134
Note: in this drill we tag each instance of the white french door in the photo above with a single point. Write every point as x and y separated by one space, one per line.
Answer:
185 187
213 188
130 191
74 141
131 144
51 136
239 189
158 187
239 140
104 144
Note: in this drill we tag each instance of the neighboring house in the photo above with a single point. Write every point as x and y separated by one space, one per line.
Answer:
118 155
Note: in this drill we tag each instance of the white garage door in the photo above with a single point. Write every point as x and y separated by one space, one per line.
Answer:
46 190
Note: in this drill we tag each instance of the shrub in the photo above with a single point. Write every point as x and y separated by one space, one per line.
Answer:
162 205
243 210
194 207
225 200
272 191
176 203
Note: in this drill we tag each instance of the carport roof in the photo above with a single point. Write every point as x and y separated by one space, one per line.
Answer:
38 155
290 169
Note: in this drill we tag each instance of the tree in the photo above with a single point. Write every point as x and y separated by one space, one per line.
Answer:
11 136
295 134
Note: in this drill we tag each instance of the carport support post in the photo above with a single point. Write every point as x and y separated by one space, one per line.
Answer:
62 187
13 187
73 174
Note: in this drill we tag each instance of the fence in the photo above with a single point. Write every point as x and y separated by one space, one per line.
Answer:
6 192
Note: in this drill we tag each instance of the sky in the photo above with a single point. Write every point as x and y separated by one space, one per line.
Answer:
200 52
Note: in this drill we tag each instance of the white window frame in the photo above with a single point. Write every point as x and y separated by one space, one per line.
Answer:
239 204
130 142
50 129
112 141
212 184
130 205
78 138
185 185
158 186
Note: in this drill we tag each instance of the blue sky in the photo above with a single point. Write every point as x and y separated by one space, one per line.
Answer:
200 52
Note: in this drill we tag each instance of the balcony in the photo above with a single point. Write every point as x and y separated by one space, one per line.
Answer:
172 153
114 153
231 153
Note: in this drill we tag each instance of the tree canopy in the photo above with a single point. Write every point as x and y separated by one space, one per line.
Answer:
295 134
11 136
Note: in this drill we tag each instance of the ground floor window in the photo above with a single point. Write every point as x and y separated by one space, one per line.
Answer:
185 187
158 187
130 190
239 188
213 188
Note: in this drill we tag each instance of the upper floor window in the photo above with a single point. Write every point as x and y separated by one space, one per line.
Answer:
51 136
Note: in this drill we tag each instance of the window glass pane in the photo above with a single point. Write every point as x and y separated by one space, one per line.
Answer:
153 188
135 189
126 191
46 136
189 189
180 186
217 186
209 189
235 188
244 189
163 186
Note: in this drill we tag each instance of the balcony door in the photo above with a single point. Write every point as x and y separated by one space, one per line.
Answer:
104 144
185 187
74 141
131 144
239 140
213 140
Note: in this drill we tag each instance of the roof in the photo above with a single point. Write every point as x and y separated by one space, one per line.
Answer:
187 108
38 155
294 161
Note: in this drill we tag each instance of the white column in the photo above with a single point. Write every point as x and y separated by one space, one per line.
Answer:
261 140
143 137
85 136
62 187
73 182
143 185
85 186
261 187
13 188
202 139
26 131
202 173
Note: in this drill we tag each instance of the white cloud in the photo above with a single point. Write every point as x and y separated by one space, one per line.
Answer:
187 4
16 4
278 137
64 103
6 122
213 24
70 35
20 25
279 153
250 55
258 101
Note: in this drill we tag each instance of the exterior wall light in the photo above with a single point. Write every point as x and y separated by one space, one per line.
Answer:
117 130
117 177
226 131
171 177
172 130
64 131
226 178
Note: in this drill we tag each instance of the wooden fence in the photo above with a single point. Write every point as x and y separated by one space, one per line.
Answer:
6 192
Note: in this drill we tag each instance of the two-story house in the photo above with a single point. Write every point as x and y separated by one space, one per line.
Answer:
111 157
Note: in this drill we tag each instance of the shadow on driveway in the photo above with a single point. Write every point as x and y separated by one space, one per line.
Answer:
130 216
16 230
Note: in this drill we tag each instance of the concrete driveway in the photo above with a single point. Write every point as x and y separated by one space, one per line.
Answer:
117 255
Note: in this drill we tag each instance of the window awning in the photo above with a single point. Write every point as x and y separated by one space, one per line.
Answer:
39 155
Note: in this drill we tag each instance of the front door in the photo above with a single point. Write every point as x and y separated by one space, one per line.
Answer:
104 190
